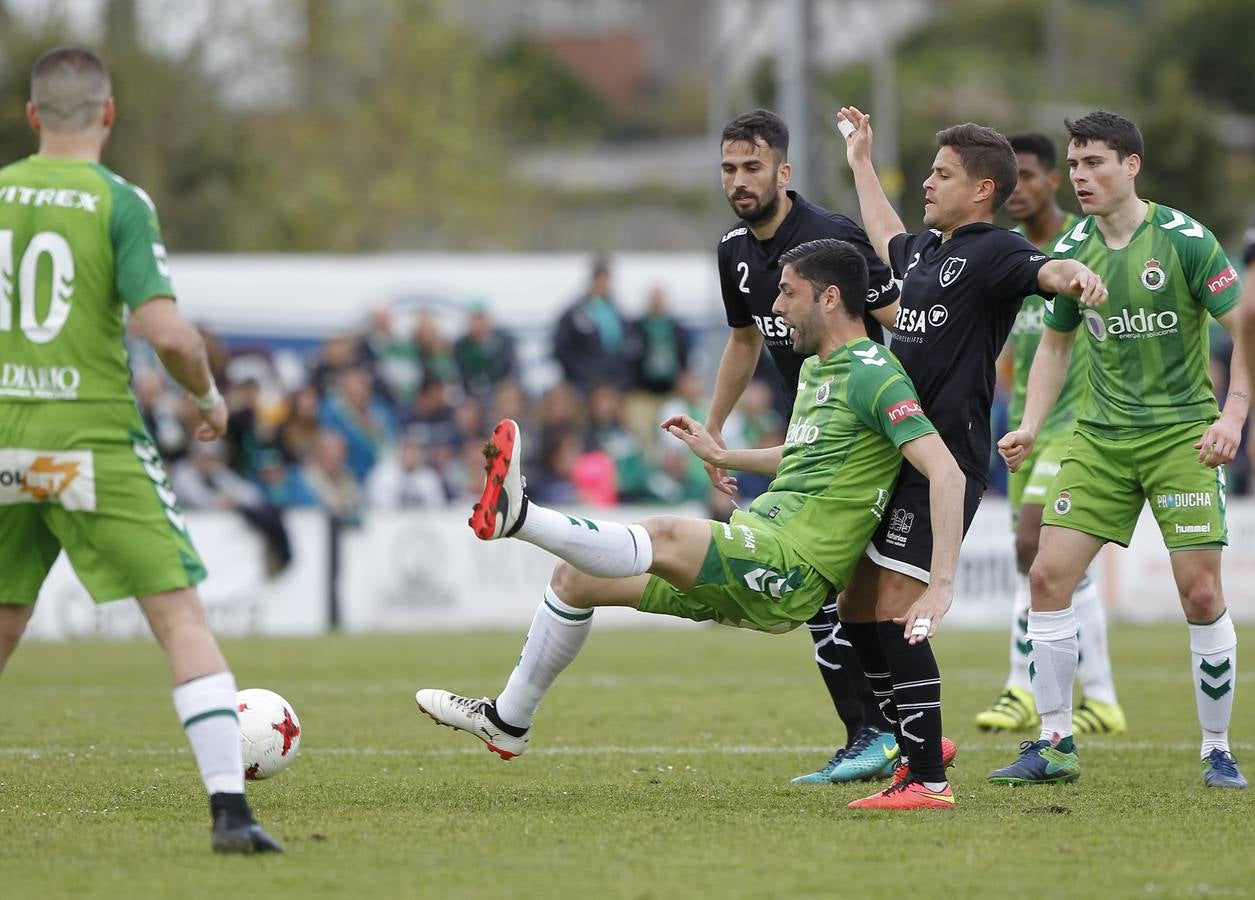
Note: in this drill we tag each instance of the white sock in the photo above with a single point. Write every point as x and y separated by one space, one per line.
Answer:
1093 668
1019 635
593 546
1053 668
558 632
1213 669
206 707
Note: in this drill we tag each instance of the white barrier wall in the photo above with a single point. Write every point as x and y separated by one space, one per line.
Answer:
427 572
239 598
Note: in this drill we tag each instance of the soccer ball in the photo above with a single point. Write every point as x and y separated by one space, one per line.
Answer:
270 732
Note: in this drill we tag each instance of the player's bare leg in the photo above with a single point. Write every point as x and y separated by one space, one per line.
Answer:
13 619
1213 659
204 698
604 564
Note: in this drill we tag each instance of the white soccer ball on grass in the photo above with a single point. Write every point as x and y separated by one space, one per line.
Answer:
270 732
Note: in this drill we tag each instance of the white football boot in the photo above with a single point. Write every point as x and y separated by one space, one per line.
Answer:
469 715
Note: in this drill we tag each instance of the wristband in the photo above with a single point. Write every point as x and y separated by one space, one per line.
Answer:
207 400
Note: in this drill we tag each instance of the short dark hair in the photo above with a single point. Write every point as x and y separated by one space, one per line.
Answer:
1113 129
761 123
1038 145
68 86
830 261
984 153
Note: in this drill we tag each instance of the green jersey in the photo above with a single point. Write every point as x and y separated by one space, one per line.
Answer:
1025 336
1148 342
841 459
77 243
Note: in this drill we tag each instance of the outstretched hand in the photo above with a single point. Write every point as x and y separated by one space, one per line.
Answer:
707 447
1088 288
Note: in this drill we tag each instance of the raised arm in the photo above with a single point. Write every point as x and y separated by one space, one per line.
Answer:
179 347
946 486
880 219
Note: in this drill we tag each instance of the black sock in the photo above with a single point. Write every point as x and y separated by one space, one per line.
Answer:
490 710
917 695
839 665
866 641
233 806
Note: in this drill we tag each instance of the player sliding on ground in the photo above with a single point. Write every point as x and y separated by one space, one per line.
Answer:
771 567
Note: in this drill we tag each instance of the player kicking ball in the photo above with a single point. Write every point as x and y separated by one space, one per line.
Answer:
771 567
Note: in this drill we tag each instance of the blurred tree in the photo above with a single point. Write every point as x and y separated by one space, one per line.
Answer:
1211 40
397 145
541 100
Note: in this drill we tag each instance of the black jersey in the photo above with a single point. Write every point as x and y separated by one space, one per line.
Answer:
1248 247
959 301
749 277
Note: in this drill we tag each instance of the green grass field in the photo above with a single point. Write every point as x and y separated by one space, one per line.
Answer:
659 768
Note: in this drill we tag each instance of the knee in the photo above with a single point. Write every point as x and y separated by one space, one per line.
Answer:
662 531
1043 579
570 584
1201 598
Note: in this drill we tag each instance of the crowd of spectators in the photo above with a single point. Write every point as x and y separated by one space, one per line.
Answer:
391 419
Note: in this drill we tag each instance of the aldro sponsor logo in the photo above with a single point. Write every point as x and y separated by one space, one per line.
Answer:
801 432
1131 326
1030 319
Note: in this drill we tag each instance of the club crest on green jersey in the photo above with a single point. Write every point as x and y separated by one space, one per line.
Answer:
825 390
1063 504
1153 275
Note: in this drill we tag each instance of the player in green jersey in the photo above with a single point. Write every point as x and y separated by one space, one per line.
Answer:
1032 204
1150 430
78 472
771 567
1248 316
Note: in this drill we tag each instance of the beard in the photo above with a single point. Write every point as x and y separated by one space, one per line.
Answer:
762 212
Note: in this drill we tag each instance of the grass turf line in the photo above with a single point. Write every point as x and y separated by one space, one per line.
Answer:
659 768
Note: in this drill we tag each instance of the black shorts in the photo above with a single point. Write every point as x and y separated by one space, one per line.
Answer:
904 540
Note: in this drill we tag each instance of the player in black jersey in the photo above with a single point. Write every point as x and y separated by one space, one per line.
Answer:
773 220
963 281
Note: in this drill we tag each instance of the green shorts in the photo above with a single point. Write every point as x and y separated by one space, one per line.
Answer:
750 579
1031 484
1105 480
105 499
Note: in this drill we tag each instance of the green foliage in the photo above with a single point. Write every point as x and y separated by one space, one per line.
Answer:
542 100
1212 41
659 768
